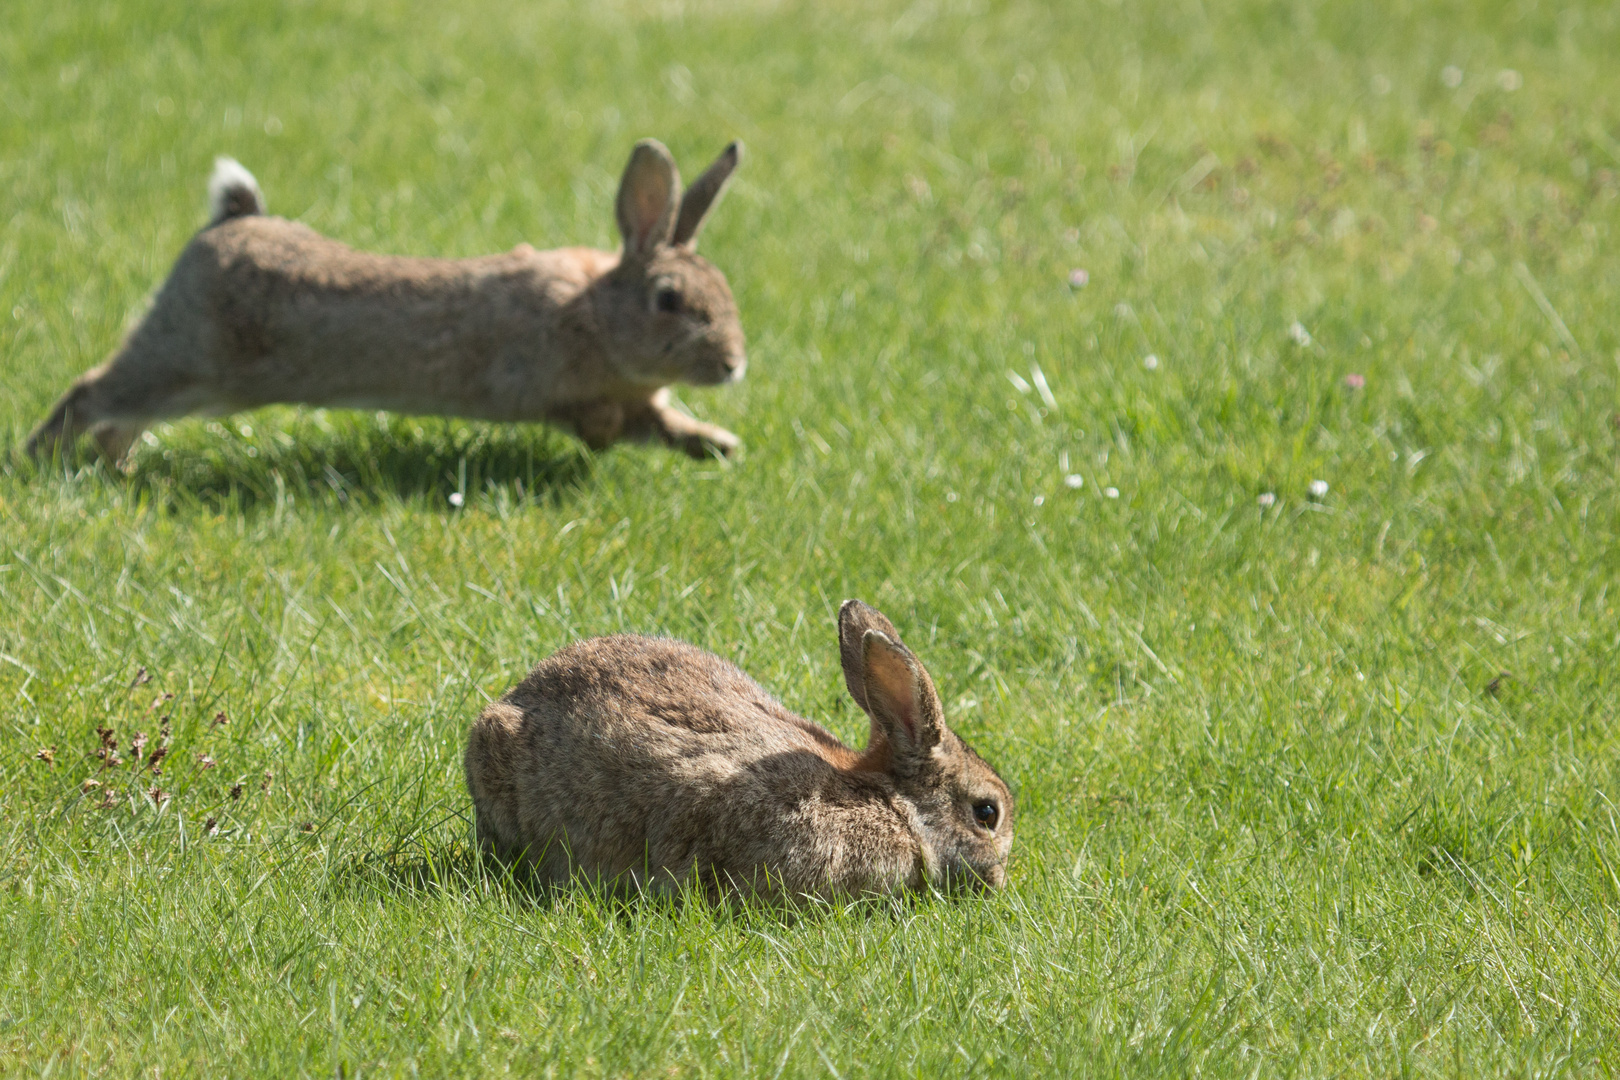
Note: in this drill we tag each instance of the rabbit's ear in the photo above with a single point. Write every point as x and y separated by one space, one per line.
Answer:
702 195
648 195
900 698
854 620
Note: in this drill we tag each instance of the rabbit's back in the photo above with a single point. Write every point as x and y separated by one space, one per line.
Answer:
297 316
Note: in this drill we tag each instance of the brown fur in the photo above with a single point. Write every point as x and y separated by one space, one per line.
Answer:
645 762
261 310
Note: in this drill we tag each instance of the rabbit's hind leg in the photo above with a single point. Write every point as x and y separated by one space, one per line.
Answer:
116 433
115 403
58 431
116 437
95 403
113 415
165 368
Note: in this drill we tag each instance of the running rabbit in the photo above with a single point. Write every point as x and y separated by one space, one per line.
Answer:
260 310
645 762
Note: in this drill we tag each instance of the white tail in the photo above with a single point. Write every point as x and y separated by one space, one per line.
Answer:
232 192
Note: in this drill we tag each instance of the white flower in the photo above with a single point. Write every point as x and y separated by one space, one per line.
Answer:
1151 362
1451 75
1267 499
1318 488
457 498
1509 80
1111 492
1298 334
1039 499
1075 480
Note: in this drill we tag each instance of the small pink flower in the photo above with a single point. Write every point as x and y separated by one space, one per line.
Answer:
1354 381
1079 279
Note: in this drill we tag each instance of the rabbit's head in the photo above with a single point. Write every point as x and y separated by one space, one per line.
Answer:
964 808
666 312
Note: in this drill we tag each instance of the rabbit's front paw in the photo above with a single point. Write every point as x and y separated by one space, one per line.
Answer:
660 420
706 443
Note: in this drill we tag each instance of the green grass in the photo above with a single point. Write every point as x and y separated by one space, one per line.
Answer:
1325 788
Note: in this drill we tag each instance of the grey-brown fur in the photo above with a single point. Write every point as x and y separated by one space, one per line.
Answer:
261 310
646 762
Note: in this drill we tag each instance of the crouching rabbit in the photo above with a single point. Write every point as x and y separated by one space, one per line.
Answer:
648 763
260 310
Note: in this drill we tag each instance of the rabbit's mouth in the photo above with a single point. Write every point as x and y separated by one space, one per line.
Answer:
728 368
963 879
700 360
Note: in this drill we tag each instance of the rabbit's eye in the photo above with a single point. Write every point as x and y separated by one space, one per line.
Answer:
986 814
668 301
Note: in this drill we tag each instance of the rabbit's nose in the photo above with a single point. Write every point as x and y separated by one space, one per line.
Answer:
736 363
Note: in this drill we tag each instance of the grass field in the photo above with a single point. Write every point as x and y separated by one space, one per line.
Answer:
1321 787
